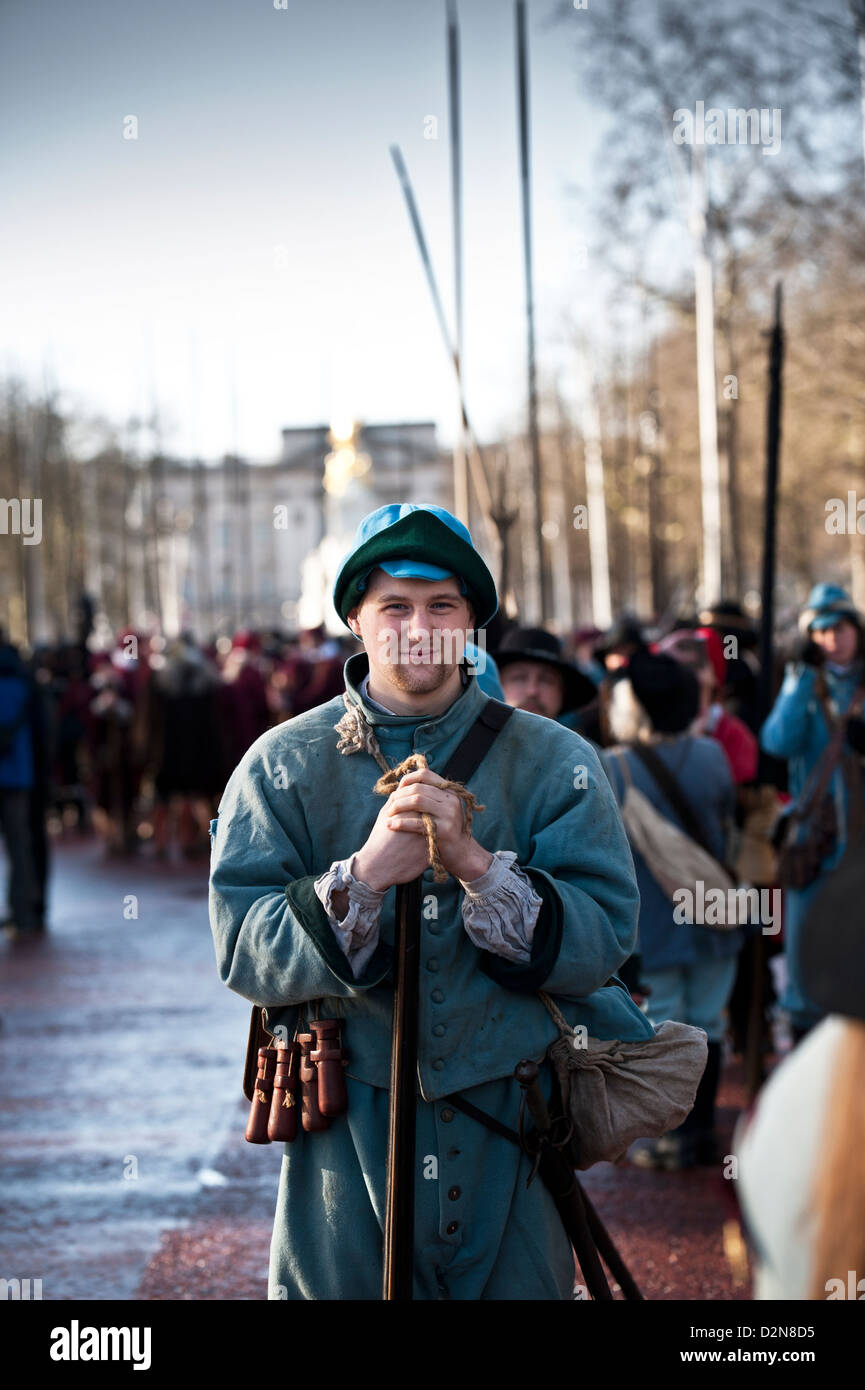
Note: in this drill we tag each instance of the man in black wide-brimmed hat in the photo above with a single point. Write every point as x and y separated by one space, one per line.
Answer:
536 677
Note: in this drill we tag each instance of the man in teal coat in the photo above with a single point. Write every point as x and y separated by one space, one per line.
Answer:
541 894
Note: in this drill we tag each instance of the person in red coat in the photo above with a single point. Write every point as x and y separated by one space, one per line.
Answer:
702 650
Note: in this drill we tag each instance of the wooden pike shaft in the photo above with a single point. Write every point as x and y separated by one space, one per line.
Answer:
399 1199
461 482
476 462
773 447
525 184
706 391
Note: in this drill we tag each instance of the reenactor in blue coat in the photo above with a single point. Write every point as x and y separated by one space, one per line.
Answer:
541 894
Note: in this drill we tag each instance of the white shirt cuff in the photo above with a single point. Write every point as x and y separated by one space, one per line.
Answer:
500 909
357 933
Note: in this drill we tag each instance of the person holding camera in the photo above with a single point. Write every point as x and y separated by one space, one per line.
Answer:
817 725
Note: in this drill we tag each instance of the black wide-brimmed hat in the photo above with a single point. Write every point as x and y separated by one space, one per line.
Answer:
625 632
832 941
668 690
535 644
728 616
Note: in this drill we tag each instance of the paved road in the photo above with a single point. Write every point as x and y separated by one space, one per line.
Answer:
120 1061
124 1169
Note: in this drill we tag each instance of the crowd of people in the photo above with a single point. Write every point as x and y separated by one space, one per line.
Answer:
777 802
677 729
138 743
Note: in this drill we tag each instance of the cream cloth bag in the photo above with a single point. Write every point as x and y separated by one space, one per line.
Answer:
615 1092
673 858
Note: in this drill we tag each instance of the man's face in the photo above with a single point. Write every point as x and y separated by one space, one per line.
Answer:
414 630
534 686
838 642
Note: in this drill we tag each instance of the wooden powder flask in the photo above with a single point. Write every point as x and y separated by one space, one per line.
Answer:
282 1124
259 1110
310 1115
330 1060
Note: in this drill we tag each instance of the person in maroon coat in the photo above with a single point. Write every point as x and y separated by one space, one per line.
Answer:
114 770
243 707
184 746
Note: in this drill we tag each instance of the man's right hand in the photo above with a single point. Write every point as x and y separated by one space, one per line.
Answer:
390 856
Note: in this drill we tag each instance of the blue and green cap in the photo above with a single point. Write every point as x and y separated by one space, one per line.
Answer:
828 605
411 540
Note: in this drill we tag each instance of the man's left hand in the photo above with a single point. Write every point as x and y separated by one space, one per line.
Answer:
425 792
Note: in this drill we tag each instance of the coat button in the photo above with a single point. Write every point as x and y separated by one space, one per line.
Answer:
439 1030
447 1116
452 1228
454 1194
432 964
454 1153
438 1064
433 928
437 996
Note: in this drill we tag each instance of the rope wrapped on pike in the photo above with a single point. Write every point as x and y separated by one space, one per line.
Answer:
391 780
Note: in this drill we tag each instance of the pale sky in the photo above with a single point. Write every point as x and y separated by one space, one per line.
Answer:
248 260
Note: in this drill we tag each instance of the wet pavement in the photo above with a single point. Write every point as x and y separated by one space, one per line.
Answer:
124 1170
669 1227
121 1055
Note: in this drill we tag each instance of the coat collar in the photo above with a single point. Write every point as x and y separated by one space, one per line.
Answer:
463 712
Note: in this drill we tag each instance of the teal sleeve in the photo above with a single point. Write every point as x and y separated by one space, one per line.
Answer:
308 910
579 849
267 924
788 731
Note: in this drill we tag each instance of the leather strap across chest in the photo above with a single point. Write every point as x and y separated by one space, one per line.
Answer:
467 758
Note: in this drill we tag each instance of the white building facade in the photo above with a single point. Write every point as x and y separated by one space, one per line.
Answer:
211 548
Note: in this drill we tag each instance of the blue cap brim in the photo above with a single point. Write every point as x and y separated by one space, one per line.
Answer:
827 620
412 569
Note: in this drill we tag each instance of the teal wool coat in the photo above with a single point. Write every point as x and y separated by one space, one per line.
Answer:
293 806
796 730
